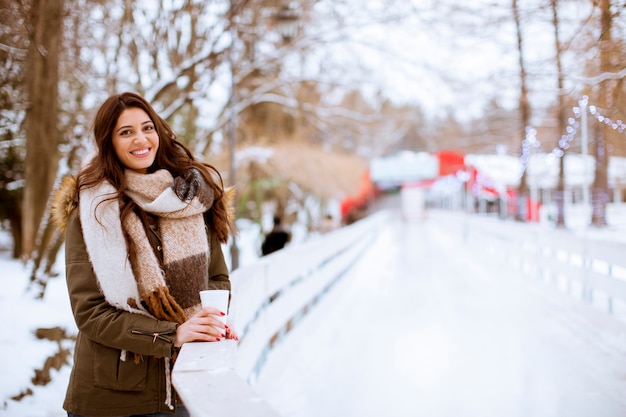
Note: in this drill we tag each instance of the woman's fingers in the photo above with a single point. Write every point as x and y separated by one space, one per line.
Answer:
198 333
210 311
204 326
208 321
231 333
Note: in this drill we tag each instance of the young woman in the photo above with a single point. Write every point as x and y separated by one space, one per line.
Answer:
144 223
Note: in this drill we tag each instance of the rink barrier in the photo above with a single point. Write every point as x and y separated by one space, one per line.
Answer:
269 298
584 265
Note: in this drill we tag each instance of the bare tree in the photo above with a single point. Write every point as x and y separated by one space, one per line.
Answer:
599 190
561 117
41 123
524 110
13 54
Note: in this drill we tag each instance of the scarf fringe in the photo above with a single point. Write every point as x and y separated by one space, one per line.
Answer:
163 306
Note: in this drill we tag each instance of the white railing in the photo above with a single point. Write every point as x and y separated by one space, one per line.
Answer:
269 297
583 264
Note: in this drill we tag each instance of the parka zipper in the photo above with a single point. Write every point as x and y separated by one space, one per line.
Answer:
154 335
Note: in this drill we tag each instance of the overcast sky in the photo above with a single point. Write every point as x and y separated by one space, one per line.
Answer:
427 55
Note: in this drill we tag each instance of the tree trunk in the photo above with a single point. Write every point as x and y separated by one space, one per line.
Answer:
599 190
15 217
45 23
562 122
524 108
600 187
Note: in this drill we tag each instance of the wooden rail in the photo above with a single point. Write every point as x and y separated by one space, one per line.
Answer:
269 298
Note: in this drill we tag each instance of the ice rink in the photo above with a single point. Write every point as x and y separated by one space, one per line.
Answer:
424 325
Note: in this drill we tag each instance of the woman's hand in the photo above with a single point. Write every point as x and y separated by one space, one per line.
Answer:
204 326
231 333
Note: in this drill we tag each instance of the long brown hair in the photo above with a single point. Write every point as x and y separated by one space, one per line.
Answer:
171 155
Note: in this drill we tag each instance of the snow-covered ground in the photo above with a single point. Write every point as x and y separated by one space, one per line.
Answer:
421 326
22 315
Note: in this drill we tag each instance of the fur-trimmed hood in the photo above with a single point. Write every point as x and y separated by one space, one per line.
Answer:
64 201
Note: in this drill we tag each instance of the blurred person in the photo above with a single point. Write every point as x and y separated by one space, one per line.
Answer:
328 224
144 223
276 239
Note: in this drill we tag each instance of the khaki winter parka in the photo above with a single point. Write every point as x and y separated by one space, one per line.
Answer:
101 383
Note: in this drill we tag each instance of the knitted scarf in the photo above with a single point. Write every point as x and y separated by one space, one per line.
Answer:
170 291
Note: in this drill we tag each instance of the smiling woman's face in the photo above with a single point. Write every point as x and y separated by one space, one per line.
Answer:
135 140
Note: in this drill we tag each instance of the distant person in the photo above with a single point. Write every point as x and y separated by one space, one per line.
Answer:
327 224
276 239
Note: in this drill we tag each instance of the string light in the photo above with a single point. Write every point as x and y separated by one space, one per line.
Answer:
570 133
573 124
529 142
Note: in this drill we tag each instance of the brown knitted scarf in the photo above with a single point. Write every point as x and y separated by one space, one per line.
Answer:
171 293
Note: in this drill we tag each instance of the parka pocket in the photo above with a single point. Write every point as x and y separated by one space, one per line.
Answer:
111 372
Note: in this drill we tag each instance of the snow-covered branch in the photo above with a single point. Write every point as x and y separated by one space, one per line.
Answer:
602 77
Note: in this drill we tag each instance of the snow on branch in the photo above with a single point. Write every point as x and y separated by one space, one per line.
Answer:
204 55
602 77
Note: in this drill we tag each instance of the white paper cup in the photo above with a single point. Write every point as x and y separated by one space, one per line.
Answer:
217 299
